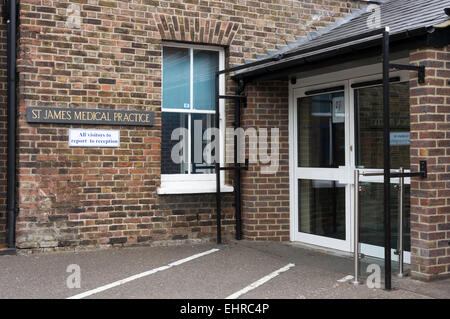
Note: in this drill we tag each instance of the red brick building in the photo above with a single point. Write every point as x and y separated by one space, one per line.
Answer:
158 58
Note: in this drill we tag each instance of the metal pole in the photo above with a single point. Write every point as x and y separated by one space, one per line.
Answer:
237 164
356 280
11 190
387 163
400 249
217 164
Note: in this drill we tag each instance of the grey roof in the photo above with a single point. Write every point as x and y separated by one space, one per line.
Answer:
399 15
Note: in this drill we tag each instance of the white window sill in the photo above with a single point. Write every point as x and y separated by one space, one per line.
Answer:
192 188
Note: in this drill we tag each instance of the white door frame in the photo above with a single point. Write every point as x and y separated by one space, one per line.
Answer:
344 175
331 174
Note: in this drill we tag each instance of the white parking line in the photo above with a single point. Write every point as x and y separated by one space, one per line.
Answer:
141 275
346 278
260 282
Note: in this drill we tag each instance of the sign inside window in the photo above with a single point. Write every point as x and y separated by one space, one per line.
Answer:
400 138
338 109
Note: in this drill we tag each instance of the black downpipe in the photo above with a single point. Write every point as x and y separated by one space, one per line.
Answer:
11 175
387 163
10 10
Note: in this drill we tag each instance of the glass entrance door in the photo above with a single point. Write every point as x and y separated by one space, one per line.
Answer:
368 108
321 187
336 129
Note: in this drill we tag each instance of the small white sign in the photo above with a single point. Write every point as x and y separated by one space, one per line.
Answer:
94 138
338 109
400 138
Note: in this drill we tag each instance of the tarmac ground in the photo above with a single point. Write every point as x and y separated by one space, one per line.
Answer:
237 270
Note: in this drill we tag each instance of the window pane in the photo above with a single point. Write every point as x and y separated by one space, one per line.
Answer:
176 75
321 208
170 122
200 162
205 66
321 130
369 126
372 215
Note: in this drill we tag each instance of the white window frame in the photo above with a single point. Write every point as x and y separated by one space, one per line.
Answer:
197 183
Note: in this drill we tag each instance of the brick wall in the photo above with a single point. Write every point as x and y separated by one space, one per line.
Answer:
107 55
430 136
266 196
3 127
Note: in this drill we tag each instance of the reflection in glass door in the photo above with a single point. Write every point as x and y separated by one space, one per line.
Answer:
321 196
369 155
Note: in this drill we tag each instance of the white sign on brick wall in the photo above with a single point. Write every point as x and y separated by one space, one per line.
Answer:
94 138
